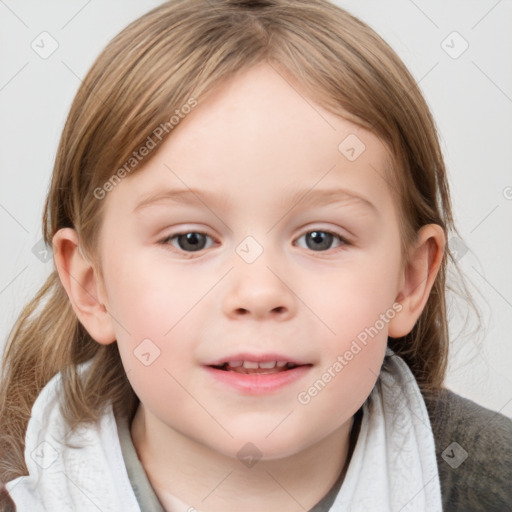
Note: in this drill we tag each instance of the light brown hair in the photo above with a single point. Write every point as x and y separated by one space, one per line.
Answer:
183 49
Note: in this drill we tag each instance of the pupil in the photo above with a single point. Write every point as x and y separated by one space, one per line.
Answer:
193 241
317 237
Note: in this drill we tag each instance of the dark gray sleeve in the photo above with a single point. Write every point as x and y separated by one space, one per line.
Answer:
474 454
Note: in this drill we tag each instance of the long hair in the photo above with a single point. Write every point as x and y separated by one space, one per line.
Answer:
181 50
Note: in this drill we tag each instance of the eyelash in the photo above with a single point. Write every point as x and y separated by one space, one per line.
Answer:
340 238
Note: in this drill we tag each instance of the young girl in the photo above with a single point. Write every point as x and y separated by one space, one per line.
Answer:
248 212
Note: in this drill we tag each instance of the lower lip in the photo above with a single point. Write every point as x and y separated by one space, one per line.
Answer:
259 384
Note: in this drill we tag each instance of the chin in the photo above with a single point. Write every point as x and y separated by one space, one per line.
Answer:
249 448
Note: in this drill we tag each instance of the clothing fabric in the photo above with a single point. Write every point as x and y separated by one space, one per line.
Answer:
474 454
395 446
146 496
401 452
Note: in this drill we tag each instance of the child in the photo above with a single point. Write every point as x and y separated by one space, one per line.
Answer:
250 370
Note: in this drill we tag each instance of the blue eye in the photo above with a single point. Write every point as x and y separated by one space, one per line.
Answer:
321 240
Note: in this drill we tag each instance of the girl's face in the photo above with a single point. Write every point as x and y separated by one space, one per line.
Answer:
293 252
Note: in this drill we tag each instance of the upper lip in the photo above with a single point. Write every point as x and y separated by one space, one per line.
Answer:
259 358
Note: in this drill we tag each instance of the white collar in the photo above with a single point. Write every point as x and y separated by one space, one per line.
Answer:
393 466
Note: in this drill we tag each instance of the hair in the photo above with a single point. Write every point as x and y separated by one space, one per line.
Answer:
180 50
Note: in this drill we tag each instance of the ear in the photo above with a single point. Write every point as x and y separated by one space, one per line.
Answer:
83 285
418 278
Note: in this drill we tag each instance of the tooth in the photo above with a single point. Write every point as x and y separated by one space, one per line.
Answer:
250 364
280 364
235 364
268 364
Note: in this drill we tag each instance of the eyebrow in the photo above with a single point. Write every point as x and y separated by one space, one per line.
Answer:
316 197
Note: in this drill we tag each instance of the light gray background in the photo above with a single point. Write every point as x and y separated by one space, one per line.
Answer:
470 95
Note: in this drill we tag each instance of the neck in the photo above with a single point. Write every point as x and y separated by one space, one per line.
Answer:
179 467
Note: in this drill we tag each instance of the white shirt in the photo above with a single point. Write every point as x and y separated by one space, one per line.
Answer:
393 466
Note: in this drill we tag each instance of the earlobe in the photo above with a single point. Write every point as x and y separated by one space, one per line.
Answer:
83 286
418 278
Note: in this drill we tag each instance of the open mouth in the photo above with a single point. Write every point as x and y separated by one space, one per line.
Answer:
251 377
249 367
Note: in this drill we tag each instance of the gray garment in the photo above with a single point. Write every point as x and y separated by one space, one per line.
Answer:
148 500
480 482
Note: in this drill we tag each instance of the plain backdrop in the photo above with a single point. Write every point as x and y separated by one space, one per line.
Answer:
460 53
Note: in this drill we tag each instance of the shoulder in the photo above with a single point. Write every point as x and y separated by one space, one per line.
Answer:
474 453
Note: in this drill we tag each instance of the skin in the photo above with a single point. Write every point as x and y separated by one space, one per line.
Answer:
251 144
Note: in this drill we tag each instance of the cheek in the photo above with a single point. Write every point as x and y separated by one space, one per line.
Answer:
146 297
353 299
156 358
355 308
351 358
151 315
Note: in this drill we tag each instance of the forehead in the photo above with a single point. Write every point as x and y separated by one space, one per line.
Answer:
257 135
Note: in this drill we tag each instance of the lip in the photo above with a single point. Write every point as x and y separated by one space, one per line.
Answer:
260 358
258 383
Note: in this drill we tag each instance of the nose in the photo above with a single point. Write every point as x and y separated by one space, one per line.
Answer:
259 290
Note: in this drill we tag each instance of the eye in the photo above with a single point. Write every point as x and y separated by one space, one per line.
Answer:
194 241
189 241
321 240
